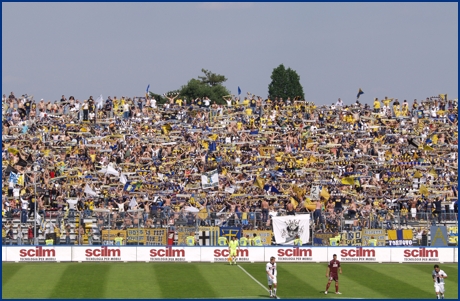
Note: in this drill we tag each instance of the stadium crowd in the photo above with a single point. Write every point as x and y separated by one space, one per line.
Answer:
371 164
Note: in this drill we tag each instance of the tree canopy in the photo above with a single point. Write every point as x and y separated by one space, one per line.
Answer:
285 83
209 85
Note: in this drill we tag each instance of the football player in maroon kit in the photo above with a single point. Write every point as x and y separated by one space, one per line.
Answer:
333 270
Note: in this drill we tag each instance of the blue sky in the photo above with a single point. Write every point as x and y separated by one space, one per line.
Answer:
401 50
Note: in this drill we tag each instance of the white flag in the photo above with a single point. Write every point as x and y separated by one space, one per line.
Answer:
287 227
132 203
100 102
210 179
230 189
89 191
112 171
123 179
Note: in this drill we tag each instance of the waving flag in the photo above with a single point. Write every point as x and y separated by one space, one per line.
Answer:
359 93
90 191
239 90
14 177
123 179
147 91
210 179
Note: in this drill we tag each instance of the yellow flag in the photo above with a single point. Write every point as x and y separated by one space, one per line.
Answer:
13 151
443 96
166 129
434 139
213 137
433 173
298 191
260 182
261 152
427 148
294 202
423 190
348 181
205 144
324 193
21 180
418 174
46 152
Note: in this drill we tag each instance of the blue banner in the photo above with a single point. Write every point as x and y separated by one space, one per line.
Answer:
230 232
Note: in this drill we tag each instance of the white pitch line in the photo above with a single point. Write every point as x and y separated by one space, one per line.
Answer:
256 280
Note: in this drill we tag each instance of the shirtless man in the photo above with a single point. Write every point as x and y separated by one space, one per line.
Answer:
290 209
264 211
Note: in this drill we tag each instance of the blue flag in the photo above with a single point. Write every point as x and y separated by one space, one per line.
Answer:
271 188
359 93
229 232
14 177
239 90
147 90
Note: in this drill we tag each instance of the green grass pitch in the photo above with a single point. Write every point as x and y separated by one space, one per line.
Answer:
219 281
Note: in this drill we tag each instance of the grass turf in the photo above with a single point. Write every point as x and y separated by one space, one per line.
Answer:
216 280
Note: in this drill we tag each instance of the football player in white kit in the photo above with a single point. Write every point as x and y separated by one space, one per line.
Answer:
438 279
271 276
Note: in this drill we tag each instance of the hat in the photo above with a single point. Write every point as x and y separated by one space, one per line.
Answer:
42 99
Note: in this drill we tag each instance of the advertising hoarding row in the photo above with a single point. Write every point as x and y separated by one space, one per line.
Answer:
220 254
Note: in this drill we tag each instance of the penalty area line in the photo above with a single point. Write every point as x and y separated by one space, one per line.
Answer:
256 280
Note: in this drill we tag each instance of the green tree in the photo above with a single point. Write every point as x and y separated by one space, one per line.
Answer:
209 85
212 79
285 83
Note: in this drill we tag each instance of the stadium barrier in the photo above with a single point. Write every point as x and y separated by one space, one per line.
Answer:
220 254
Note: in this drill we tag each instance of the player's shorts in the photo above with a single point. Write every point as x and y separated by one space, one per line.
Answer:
232 252
334 277
271 280
439 288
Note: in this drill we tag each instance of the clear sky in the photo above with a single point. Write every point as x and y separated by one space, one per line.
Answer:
400 50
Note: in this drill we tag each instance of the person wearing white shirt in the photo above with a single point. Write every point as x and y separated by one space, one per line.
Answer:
270 269
16 191
339 103
126 109
206 102
438 276
24 207
72 205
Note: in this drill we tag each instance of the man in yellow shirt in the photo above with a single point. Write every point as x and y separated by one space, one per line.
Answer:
244 241
233 245
190 240
118 240
376 105
297 241
372 242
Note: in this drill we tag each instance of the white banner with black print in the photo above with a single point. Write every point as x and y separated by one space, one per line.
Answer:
286 228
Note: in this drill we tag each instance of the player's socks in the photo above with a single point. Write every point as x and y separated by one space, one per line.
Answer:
438 297
274 292
270 293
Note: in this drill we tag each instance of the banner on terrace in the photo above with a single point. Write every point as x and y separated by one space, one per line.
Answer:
210 179
287 227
